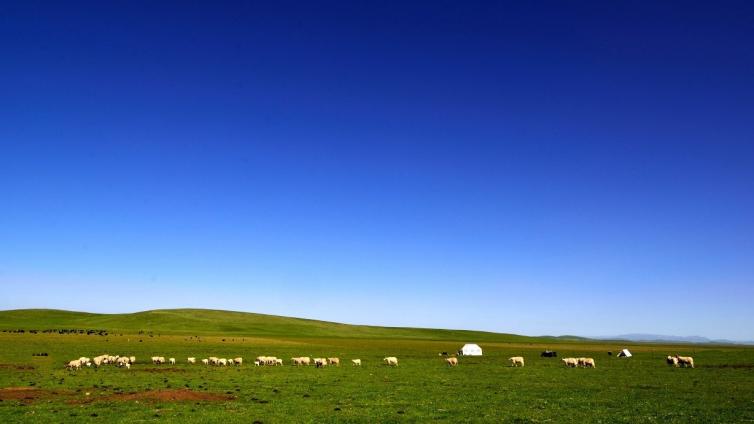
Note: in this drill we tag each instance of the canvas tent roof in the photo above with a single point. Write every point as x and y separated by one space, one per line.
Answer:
624 354
471 349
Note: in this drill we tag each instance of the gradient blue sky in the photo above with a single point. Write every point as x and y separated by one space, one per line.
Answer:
529 167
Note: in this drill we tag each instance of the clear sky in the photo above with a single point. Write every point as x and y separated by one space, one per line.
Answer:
530 167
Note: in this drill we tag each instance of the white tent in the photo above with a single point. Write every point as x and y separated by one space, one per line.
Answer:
470 349
624 354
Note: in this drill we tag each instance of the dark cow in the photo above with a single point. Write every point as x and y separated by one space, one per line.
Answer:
549 354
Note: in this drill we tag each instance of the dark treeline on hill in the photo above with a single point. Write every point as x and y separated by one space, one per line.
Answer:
59 331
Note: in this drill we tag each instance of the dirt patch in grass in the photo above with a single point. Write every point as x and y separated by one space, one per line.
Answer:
158 370
727 366
16 367
175 395
28 394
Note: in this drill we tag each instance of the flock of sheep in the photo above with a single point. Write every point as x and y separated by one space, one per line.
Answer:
680 361
126 361
117 360
516 361
579 362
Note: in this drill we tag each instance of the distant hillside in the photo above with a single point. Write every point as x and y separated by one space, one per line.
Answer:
213 322
659 338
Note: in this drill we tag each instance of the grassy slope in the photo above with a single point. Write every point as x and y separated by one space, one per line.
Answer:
209 322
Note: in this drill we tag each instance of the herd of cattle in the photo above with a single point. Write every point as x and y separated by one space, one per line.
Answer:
515 361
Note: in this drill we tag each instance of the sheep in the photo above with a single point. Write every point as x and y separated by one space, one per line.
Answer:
296 361
452 362
205 361
222 362
191 360
213 360
672 360
73 365
516 361
320 362
685 361
570 362
238 361
132 359
356 362
99 360
391 361
257 363
278 361
334 361
172 361
305 360
587 363
128 365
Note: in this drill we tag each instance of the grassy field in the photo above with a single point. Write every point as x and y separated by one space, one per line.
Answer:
420 389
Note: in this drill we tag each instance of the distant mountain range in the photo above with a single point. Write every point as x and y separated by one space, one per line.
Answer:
657 338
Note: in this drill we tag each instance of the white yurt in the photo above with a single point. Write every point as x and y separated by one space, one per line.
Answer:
624 354
470 349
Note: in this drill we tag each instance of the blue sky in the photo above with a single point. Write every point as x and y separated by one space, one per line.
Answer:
549 168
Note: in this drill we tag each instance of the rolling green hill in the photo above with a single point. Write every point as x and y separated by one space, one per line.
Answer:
214 322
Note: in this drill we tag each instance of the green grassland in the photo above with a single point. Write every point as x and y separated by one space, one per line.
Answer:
420 389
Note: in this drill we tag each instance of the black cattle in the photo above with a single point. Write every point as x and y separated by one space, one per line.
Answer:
549 354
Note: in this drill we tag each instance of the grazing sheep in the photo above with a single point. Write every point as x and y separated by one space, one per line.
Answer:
334 361
205 361
128 365
278 361
172 361
672 360
516 361
570 362
587 363
685 361
296 361
191 360
73 365
320 362
391 361
305 360
257 363
356 362
238 361
222 362
452 362
132 359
